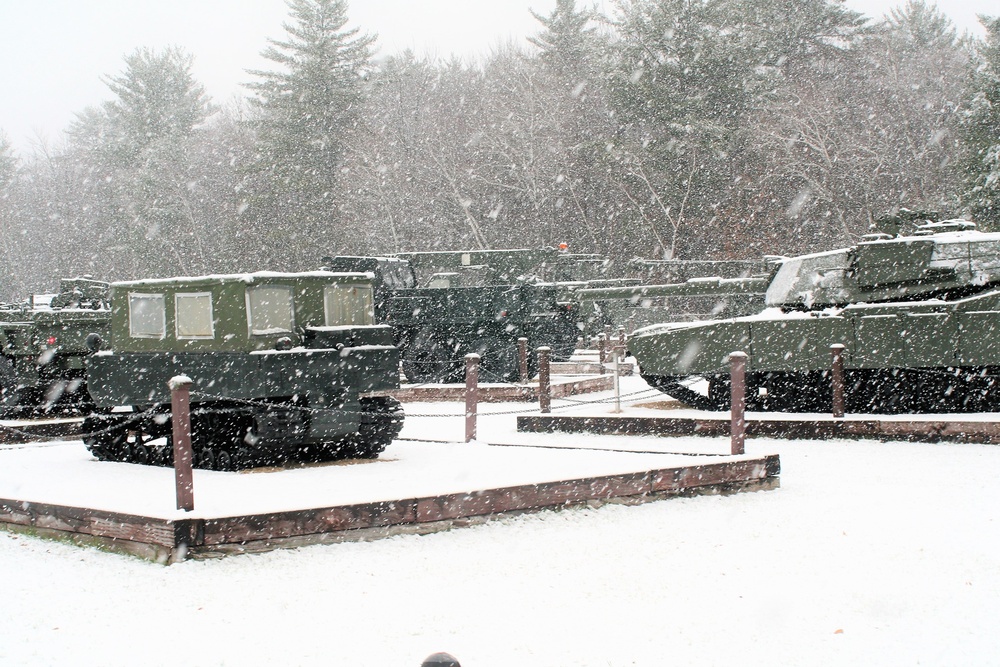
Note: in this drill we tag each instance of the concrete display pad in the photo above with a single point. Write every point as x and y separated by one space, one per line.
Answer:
413 488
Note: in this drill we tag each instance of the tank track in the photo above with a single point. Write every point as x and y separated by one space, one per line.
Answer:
673 386
223 440
867 391
52 397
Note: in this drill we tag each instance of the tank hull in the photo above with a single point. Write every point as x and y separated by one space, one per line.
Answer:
929 356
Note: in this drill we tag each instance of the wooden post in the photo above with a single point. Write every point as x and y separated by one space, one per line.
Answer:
471 395
619 354
544 384
602 349
522 358
180 411
738 394
837 379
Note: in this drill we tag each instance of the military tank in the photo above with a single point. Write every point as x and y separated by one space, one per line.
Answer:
285 367
43 346
444 305
917 314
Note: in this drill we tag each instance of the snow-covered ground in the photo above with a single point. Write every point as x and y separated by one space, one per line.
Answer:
869 554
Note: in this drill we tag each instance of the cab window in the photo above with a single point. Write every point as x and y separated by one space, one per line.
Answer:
348 304
147 316
270 309
194 315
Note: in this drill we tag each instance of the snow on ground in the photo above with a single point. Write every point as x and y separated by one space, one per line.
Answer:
870 553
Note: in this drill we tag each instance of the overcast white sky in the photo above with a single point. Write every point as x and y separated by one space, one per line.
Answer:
54 52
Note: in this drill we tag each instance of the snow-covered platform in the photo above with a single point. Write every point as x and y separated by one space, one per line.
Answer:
979 428
59 490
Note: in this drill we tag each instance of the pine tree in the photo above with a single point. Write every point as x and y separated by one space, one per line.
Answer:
558 120
918 61
157 99
305 109
8 235
134 153
981 130
8 163
567 44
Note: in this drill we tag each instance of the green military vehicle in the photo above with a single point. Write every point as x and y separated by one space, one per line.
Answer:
678 290
917 314
285 367
43 349
444 305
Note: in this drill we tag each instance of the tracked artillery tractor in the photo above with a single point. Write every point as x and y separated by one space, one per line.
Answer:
43 349
917 315
285 367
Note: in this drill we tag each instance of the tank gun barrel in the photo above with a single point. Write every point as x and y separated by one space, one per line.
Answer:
694 287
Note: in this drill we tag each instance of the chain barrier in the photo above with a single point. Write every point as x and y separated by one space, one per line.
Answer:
602 449
650 391
637 395
582 449
34 437
268 405
493 377
444 362
955 373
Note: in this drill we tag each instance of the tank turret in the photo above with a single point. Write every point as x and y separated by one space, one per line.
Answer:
940 260
916 314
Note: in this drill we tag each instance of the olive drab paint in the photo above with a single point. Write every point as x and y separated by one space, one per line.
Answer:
916 315
283 367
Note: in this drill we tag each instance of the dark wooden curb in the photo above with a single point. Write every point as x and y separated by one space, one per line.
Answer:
799 429
19 432
172 540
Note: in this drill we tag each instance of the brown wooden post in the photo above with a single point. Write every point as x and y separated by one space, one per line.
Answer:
738 395
602 348
837 379
522 358
544 383
471 395
180 411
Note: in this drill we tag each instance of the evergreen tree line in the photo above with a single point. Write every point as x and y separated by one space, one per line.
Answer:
688 129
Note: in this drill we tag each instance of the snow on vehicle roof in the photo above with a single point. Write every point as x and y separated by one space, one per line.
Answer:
248 278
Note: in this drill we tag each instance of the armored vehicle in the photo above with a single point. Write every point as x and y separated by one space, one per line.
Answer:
444 305
917 314
285 367
43 349
681 290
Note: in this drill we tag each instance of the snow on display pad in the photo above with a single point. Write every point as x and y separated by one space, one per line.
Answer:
429 460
